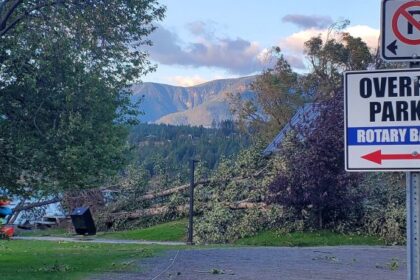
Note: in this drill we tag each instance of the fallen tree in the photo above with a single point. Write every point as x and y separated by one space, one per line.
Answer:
154 195
30 206
241 205
154 211
160 209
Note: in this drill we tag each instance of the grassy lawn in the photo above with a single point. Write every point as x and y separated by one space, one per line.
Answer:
304 239
172 231
177 230
63 260
47 232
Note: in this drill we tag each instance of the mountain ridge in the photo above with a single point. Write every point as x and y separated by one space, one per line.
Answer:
196 105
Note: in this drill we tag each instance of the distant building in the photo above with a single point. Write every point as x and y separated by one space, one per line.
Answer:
303 116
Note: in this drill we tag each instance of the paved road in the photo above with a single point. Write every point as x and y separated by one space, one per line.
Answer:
97 240
321 263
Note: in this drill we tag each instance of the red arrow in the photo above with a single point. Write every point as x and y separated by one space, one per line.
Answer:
378 157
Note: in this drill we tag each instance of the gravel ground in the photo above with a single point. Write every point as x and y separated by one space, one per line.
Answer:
341 263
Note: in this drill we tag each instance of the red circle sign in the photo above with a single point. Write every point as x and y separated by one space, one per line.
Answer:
402 11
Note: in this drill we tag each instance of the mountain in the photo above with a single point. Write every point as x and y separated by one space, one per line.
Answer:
196 105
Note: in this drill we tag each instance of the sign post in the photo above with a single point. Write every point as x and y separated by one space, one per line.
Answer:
413 223
382 114
413 229
382 133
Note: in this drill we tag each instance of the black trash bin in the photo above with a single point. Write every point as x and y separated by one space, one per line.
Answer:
82 221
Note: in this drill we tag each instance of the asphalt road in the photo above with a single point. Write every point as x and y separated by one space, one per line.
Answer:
320 263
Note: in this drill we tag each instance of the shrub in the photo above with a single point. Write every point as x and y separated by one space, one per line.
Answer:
385 207
314 183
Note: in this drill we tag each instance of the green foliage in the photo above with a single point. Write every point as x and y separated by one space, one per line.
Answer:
330 58
314 183
278 95
124 195
307 180
159 161
165 151
243 178
223 225
63 108
385 207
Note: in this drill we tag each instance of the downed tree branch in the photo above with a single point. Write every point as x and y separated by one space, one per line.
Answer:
241 205
160 210
150 196
15 215
36 204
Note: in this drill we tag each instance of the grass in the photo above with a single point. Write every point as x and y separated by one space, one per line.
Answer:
44 260
172 231
176 231
305 239
47 232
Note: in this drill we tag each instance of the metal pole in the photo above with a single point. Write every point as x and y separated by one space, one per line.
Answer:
413 214
191 210
413 225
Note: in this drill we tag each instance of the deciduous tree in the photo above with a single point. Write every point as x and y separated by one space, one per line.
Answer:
64 69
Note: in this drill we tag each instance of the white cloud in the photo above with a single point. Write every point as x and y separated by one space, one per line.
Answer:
236 55
368 34
293 45
186 81
295 42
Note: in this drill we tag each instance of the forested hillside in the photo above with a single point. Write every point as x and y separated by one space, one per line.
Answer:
168 149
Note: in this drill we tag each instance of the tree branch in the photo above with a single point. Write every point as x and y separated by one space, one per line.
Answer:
11 25
4 28
36 204
9 12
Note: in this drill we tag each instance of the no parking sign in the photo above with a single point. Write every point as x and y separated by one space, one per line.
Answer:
401 30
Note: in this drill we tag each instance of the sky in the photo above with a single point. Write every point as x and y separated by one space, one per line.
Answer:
203 40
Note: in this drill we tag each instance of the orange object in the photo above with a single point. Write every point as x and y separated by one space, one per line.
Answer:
8 230
4 202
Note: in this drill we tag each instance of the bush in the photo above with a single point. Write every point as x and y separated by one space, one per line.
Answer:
314 183
244 178
222 225
385 207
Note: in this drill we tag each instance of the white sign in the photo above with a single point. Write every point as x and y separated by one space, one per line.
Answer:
400 31
382 120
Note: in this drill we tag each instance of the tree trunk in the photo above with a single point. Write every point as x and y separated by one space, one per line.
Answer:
15 214
320 220
36 204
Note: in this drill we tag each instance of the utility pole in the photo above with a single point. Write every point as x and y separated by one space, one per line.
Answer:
191 210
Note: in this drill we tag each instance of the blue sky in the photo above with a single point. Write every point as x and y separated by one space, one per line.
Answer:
201 40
